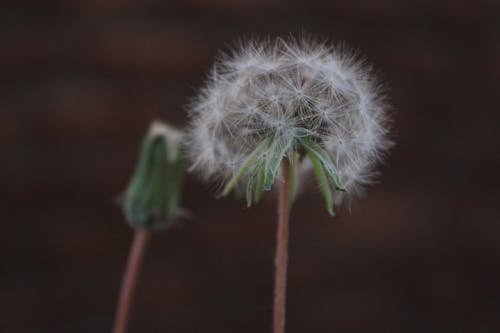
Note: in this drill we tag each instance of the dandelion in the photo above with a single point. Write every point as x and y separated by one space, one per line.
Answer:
151 202
298 105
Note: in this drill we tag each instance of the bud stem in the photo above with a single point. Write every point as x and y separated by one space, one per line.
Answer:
134 263
281 258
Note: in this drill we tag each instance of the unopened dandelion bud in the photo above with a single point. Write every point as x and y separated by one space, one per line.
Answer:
152 198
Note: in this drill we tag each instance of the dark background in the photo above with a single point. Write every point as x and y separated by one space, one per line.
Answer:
80 82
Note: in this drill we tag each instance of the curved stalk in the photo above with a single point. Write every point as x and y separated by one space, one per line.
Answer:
137 250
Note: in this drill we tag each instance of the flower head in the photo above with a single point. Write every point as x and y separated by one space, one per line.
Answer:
294 99
152 196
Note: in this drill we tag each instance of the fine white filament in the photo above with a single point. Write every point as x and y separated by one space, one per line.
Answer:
295 88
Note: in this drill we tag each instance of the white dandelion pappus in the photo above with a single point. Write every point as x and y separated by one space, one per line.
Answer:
306 97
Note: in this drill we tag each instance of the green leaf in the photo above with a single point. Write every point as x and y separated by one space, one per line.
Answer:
173 186
137 183
252 180
312 148
322 181
157 176
138 198
253 158
259 188
262 165
277 151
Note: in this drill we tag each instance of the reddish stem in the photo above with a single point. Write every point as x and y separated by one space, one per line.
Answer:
281 259
134 263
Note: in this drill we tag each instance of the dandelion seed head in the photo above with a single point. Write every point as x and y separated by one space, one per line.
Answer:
290 88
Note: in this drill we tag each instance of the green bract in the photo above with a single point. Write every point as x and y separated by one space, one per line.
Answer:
152 197
262 165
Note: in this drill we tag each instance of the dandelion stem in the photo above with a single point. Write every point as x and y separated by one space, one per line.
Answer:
281 258
134 263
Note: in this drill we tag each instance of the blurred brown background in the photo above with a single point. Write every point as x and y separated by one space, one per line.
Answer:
80 82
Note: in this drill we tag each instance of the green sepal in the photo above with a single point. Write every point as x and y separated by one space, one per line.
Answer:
173 189
322 181
245 167
262 166
259 188
252 180
312 148
152 197
277 152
